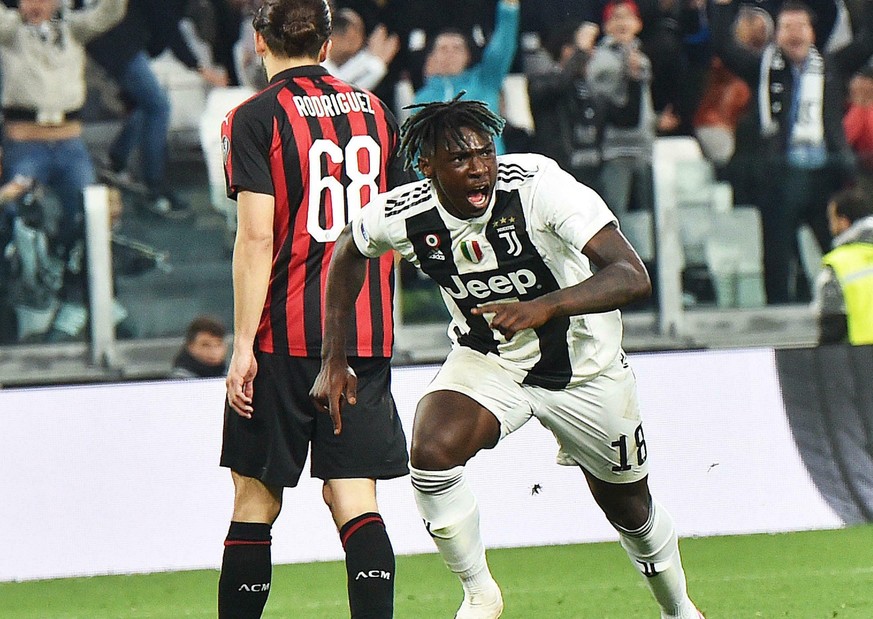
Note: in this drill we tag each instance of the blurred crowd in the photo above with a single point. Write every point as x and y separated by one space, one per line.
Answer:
777 93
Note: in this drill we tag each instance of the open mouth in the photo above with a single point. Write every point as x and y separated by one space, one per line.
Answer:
478 197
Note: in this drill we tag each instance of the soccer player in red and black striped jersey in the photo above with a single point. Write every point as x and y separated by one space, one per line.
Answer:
303 157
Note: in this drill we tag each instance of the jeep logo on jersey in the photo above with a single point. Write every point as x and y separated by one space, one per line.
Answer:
518 282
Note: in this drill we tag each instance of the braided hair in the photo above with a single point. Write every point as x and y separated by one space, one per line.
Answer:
294 28
438 119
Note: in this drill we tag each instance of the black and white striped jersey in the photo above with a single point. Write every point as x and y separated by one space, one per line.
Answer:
527 243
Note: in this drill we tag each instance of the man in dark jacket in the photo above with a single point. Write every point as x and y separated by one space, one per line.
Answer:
568 116
799 95
125 52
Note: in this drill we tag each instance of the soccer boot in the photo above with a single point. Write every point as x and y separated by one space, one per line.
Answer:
487 605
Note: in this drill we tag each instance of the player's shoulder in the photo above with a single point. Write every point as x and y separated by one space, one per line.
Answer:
518 169
257 106
406 200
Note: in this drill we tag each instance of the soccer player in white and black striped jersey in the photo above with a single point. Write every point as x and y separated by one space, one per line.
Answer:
533 268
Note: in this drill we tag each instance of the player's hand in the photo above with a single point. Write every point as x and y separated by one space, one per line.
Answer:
335 382
510 318
240 374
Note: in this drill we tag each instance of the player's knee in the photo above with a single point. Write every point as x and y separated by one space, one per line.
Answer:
628 512
349 498
432 455
625 505
656 540
327 494
443 497
254 501
436 482
440 450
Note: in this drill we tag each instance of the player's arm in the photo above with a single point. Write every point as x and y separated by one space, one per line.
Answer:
336 380
252 263
621 278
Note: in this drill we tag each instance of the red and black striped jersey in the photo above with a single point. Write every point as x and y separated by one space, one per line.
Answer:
322 148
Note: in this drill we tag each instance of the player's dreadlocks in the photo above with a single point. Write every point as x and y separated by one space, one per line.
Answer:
437 119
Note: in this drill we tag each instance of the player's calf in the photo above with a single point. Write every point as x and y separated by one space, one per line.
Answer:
246 571
451 515
654 551
369 566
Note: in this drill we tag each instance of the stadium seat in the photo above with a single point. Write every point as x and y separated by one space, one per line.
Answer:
734 257
714 237
694 183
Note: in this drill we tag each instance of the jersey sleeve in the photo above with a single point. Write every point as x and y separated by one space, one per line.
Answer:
573 210
246 141
369 229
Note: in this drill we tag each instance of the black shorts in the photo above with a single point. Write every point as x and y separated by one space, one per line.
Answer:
272 446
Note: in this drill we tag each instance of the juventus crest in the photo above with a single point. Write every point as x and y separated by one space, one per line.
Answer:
505 227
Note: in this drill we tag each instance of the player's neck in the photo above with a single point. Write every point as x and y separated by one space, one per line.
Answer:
274 65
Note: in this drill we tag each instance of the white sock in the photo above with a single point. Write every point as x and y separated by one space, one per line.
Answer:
451 515
654 551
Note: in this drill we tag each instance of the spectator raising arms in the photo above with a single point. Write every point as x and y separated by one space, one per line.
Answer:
799 98
569 117
42 62
355 59
618 62
726 97
447 69
125 53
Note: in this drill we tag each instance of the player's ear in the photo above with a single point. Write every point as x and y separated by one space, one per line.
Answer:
425 167
324 51
260 44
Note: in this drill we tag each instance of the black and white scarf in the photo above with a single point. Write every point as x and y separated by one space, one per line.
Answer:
774 104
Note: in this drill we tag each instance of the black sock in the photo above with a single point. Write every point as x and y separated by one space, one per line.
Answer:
369 566
246 569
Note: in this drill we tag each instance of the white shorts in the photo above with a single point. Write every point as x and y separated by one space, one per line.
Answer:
597 423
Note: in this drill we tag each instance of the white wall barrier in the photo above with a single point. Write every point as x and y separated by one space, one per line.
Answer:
125 478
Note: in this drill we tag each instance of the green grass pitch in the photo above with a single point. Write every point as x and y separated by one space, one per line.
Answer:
809 575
